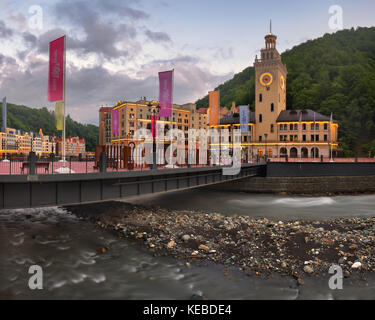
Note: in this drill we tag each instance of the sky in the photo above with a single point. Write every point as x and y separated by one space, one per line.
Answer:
115 48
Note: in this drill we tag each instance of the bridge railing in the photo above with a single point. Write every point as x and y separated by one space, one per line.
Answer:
32 164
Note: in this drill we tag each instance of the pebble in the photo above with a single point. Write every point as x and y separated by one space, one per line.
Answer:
356 265
308 269
203 247
185 237
171 244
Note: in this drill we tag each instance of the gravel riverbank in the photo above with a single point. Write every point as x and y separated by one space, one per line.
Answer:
258 246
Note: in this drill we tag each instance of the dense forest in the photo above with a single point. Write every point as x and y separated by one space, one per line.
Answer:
28 119
335 73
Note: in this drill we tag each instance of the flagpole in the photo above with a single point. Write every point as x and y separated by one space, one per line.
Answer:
64 131
314 148
300 137
330 134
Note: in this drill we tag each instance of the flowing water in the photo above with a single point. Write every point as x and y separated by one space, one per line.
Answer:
66 248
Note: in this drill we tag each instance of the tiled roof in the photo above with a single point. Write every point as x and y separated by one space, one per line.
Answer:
307 115
235 118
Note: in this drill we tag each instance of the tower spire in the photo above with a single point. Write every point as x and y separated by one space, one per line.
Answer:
270 26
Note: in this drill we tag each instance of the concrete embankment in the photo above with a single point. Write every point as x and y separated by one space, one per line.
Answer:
309 178
302 185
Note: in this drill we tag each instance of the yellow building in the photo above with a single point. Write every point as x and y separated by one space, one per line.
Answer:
274 130
137 115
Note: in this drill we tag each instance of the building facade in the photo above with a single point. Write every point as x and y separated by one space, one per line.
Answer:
272 129
74 146
17 142
137 115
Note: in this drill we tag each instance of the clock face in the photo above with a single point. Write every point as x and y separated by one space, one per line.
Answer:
282 82
266 79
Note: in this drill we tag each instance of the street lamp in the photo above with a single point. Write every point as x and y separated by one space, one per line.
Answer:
265 136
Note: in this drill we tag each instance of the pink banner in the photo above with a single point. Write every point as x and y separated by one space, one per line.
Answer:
166 93
115 122
56 70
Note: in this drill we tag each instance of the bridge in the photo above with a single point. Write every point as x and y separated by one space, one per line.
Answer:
38 190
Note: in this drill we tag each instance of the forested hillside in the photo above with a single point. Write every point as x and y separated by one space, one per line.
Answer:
335 73
28 119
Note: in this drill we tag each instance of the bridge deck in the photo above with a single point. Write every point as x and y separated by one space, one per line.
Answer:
26 191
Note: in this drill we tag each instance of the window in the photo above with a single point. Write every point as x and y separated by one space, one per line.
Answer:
325 137
260 138
272 107
317 126
281 138
312 137
260 118
312 126
290 127
245 138
285 127
295 126
260 97
271 128
317 137
291 138
281 127
303 126
326 126
304 137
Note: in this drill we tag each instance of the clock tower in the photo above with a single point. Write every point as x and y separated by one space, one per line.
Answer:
270 92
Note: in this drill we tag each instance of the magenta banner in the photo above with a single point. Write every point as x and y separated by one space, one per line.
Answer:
115 122
56 70
166 93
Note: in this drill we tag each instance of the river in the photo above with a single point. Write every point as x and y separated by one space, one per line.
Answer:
65 246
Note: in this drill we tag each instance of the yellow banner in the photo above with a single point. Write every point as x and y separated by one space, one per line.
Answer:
214 108
59 115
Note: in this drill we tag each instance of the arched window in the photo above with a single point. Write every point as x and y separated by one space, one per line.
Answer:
283 152
293 153
272 107
260 97
314 152
260 118
305 152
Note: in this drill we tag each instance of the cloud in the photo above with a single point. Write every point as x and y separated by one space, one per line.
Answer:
101 37
108 30
121 9
88 88
157 36
4 31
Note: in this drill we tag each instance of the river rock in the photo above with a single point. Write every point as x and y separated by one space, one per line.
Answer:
356 265
185 237
203 247
308 269
171 244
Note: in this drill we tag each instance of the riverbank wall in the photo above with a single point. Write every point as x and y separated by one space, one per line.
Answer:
308 179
